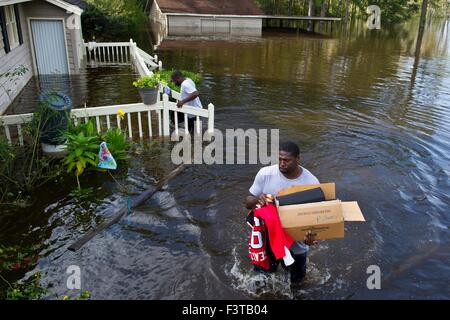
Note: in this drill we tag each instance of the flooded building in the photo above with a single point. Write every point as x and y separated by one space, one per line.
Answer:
37 37
206 17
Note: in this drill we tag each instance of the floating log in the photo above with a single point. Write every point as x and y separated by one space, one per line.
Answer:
136 201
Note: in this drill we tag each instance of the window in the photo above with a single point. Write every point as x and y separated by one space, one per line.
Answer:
11 27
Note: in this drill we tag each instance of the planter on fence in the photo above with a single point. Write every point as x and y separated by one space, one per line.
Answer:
148 95
148 88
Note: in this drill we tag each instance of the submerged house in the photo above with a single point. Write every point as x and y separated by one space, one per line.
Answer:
44 36
206 17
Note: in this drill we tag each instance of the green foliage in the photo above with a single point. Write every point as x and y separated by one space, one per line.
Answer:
83 143
113 20
24 168
6 153
115 138
82 193
12 76
84 295
148 81
48 125
88 129
16 258
82 150
393 11
166 78
29 289
117 143
16 72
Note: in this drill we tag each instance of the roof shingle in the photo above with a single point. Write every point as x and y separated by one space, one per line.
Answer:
232 7
79 3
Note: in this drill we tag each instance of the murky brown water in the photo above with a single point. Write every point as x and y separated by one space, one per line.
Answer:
94 86
362 120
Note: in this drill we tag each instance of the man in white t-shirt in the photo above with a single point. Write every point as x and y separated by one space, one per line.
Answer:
189 96
272 179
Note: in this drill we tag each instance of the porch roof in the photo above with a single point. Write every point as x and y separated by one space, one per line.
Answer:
74 6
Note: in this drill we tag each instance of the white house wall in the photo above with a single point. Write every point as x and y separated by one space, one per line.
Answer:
21 55
203 25
45 10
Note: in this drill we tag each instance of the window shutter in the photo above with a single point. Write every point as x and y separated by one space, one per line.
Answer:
19 27
4 32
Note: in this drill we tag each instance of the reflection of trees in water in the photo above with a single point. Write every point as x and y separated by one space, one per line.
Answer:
361 68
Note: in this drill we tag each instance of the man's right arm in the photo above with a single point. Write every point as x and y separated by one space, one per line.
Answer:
256 195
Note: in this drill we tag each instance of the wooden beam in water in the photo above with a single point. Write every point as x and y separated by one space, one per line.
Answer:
136 201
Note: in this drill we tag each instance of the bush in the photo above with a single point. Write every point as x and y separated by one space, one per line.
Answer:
83 144
23 168
82 152
117 143
166 78
30 289
118 20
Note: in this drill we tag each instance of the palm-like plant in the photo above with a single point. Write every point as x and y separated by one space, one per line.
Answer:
117 142
82 150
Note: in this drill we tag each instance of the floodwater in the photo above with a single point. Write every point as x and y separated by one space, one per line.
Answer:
115 82
363 117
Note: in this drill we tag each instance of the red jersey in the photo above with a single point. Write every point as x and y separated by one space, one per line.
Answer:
267 225
257 245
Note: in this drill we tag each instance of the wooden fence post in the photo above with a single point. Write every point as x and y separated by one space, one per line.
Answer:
166 117
210 118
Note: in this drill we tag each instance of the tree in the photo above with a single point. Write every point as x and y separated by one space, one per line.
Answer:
423 18
311 9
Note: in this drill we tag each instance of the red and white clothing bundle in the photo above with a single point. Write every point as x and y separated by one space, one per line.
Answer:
267 224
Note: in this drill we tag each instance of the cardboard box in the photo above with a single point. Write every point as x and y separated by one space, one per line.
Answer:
325 219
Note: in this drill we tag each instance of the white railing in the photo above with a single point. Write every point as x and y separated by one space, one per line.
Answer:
121 53
108 52
138 115
141 120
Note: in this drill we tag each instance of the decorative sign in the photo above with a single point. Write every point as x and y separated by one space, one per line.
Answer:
105 158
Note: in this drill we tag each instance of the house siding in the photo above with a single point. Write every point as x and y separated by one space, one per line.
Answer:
21 55
45 10
205 25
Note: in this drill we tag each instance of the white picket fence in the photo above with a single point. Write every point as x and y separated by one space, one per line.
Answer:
142 120
101 53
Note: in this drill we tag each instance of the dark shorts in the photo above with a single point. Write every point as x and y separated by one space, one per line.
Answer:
297 269
191 121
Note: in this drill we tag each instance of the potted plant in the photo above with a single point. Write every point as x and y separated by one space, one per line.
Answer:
148 88
50 121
